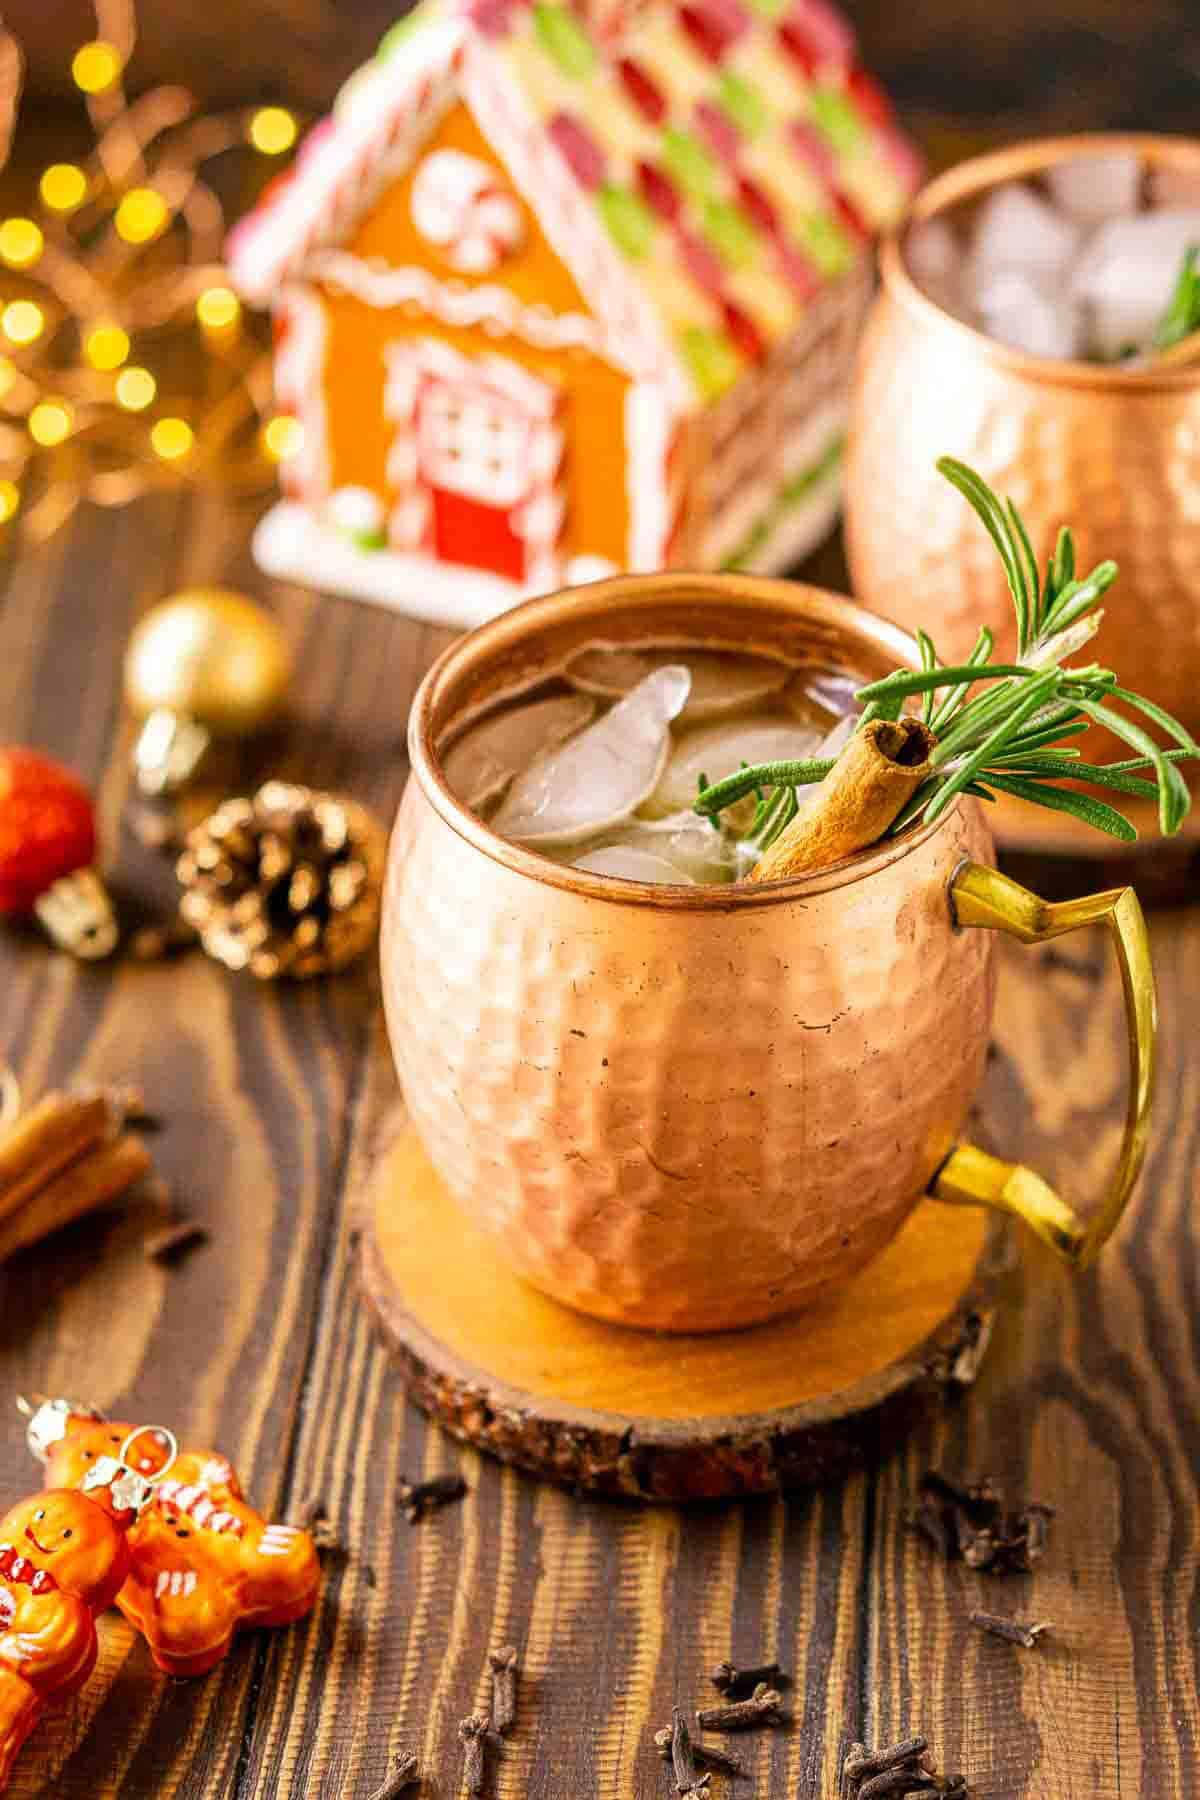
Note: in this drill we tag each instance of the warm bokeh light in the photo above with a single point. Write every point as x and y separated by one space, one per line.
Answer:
106 347
63 187
22 321
96 67
10 499
141 215
273 130
8 375
21 243
217 308
135 389
50 422
282 436
172 438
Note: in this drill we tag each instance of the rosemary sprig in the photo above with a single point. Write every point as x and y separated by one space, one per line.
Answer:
1182 316
1000 727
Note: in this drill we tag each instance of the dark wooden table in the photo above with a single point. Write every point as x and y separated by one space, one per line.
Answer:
1089 1399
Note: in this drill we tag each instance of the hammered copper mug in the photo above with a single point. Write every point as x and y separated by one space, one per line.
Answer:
694 1108
1112 450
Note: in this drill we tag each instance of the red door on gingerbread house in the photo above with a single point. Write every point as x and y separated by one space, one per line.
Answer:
476 462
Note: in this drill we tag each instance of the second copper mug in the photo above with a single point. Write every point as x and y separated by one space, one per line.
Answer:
693 1108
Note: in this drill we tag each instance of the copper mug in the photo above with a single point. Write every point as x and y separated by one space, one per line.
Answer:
693 1108
1111 450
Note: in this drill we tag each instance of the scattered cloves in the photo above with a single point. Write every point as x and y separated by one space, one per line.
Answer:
402 1774
971 1522
421 1497
474 1733
900 1769
708 1754
170 1245
1012 1630
504 1688
734 1681
683 1758
762 1708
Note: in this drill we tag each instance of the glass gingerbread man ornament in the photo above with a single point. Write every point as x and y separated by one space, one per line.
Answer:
64 1555
203 1563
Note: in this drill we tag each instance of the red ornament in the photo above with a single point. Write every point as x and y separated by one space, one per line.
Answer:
47 848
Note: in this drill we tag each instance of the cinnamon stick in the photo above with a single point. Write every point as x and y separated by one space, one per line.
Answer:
93 1180
875 776
47 1139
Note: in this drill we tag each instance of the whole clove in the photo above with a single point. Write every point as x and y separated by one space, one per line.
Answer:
683 1759
313 1517
170 1245
1012 1630
734 1681
707 1754
900 1769
762 1708
404 1772
874 1762
972 1523
418 1498
504 1688
474 1733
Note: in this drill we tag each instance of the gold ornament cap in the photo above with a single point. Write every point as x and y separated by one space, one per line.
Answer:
205 662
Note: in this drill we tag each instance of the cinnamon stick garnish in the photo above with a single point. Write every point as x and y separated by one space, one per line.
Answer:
93 1180
875 776
47 1139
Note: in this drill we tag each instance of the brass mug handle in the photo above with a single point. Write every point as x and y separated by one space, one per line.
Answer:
980 896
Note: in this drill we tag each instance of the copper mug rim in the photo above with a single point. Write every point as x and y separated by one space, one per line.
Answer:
598 604
1016 162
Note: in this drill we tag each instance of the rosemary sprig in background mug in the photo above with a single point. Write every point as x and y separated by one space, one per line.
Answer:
985 728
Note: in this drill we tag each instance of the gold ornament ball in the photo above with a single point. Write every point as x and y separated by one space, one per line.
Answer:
211 654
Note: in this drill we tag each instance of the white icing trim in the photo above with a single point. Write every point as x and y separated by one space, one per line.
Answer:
347 160
453 303
299 369
647 441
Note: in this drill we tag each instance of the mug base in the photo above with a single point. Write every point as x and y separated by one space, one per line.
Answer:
672 1417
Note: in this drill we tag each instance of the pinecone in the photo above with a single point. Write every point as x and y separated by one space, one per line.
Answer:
287 883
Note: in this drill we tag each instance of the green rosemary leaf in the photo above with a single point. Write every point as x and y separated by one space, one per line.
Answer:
1162 718
1025 551
1098 774
1174 800
1061 571
929 660
760 775
886 707
903 682
1093 812
1144 762
956 699
990 512
1035 695
1047 734
1182 316
1078 598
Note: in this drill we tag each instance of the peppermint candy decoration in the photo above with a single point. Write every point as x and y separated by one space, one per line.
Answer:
463 207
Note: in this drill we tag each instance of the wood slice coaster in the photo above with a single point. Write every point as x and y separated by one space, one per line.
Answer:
657 1416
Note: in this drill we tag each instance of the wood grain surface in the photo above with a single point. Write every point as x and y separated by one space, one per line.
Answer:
271 1101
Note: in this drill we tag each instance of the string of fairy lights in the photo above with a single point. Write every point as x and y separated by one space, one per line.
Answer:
108 280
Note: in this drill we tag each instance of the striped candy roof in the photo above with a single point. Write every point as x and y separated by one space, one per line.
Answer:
735 153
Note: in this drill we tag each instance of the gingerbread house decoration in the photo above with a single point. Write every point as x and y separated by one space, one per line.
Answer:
560 292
